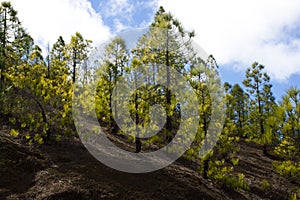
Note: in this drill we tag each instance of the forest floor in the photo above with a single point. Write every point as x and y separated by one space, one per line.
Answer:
66 170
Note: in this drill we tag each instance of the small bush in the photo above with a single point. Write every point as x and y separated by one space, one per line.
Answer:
221 173
295 195
289 169
265 185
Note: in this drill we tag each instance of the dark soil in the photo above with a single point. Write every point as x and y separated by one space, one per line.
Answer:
66 170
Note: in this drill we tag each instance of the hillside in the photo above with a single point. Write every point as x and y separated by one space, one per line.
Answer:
66 170
147 89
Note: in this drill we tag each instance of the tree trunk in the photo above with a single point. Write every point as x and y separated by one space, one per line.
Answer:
74 67
265 150
43 112
2 80
168 97
138 145
205 169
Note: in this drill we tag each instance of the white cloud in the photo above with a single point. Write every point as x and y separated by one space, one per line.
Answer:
234 31
128 14
118 8
242 32
119 26
46 20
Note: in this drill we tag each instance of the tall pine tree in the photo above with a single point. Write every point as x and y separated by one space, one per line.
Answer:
258 85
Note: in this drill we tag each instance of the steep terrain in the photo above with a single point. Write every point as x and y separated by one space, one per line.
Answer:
66 170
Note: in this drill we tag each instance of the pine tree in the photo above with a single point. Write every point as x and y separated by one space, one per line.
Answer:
15 44
166 43
239 103
262 102
290 130
286 129
58 60
114 62
38 103
201 88
36 56
58 52
78 50
9 25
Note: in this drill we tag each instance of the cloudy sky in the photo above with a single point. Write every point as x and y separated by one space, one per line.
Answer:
236 32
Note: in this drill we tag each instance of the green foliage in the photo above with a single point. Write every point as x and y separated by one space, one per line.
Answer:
289 168
35 101
14 45
261 105
113 64
295 195
288 147
223 176
265 185
237 109
37 95
219 163
289 129
14 133
77 52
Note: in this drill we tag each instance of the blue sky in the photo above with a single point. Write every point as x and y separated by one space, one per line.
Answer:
279 88
142 15
236 32
121 15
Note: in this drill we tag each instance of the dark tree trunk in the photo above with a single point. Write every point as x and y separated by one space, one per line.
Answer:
168 97
74 67
205 169
40 106
138 145
3 39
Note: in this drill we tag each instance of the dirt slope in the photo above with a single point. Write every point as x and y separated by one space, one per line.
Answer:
66 170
